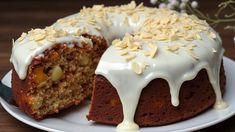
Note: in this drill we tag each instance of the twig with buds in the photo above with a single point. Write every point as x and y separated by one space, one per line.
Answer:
191 8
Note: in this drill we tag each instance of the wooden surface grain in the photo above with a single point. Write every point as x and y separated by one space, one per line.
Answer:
17 16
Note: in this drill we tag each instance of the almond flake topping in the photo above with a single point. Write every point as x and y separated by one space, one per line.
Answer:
136 68
49 34
98 7
135 18
173 48
213 50
153 50
157 25
130 57
145 65
191 46
123 52
37 34
212 35
23 35
81 31
13 42
61 20
192 54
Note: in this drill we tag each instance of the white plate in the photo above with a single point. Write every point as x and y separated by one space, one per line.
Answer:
75 119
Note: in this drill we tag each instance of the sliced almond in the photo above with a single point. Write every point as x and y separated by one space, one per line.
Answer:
136 68
198 36
192 54
146 35
23 35
37 34
213 50
212 35
98 7
153 50
130 57
61 20
173 48
135 18
122 53
115 41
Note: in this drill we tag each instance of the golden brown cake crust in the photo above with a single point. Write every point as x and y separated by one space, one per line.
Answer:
19 90
154 106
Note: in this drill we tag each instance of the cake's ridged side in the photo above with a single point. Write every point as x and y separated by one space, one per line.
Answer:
154 106
59 78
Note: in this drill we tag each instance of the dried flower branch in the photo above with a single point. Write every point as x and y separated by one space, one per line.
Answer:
191 7
218 18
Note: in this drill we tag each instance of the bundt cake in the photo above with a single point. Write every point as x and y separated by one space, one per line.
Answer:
153 66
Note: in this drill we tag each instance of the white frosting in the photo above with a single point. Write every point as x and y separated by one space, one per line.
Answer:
24 52
117 30
175 68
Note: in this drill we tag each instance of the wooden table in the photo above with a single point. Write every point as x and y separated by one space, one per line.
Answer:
20 16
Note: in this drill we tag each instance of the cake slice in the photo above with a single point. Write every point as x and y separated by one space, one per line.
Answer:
59 77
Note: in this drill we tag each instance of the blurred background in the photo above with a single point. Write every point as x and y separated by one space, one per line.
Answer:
17 16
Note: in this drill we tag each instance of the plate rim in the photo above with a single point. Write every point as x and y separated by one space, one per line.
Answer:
19 118
39 126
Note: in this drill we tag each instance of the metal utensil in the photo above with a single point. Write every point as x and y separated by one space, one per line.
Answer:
5 93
